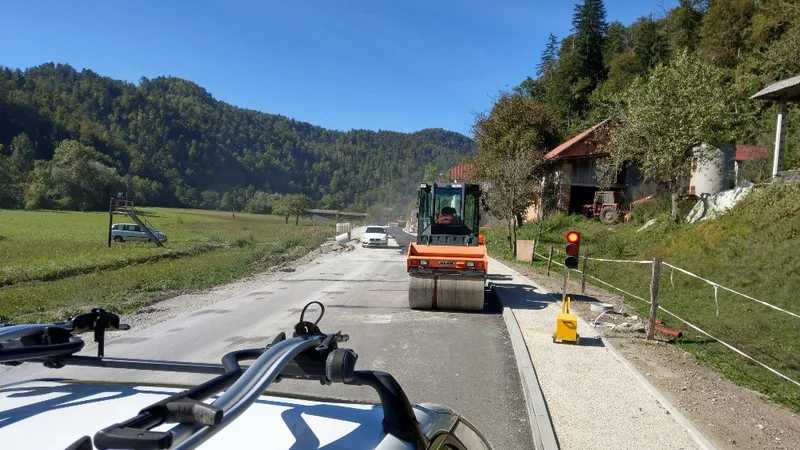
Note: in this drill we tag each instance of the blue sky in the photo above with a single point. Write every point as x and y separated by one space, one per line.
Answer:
399 65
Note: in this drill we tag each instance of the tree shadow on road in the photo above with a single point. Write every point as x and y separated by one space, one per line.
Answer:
578 297
591 342
521 296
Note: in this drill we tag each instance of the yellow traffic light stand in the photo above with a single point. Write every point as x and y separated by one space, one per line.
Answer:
566 322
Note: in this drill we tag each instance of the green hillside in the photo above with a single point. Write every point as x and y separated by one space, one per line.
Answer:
181 147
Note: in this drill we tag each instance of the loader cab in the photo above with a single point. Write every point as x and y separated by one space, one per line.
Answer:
448 214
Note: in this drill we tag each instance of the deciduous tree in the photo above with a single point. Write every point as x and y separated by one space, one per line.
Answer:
23 152
512 141
76 179
664 117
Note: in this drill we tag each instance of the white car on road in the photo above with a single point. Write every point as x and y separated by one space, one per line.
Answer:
376 236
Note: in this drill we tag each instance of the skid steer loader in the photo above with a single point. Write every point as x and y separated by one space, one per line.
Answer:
448 262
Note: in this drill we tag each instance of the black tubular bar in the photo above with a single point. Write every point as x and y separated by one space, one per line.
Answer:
35 352
398 414
251 385
9 332
139 364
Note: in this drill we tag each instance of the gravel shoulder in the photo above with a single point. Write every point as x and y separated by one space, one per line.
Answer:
594 400
728 415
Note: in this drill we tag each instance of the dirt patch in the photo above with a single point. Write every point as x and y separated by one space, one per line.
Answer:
730 416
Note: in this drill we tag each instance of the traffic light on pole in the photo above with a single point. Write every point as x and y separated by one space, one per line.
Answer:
573 249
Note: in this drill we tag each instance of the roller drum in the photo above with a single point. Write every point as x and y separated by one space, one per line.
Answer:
448 293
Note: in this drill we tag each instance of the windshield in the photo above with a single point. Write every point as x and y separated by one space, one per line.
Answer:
447 206
376 230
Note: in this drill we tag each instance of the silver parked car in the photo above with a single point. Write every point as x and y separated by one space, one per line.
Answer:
122 232
230 411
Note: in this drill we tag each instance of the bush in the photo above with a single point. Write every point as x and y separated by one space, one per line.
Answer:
243 241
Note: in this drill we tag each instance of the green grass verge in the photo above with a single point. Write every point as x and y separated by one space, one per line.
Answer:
58 263
750 249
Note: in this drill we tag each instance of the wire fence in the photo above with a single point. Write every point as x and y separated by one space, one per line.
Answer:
693 326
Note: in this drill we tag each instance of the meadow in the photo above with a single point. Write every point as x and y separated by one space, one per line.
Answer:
54 263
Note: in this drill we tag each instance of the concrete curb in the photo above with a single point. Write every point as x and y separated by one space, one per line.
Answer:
696 435
544 435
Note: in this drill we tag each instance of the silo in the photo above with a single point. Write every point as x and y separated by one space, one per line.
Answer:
712 173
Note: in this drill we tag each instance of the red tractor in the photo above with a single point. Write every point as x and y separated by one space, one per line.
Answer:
608 206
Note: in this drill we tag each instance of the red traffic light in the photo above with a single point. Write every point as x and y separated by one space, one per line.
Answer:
572 250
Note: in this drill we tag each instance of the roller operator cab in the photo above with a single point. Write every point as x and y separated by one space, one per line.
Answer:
448 261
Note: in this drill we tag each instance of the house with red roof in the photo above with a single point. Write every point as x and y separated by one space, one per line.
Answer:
573 180
749 160
461 172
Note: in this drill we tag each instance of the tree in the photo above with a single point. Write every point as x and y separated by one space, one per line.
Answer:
209 199
329 201
589 22
283 207
75 179
782 59
724 31
23 152
663 119
649 45
512 141
261 203
549 58
145 191
227 202
300 204
684 22
432 174
9 187
616 41
293 205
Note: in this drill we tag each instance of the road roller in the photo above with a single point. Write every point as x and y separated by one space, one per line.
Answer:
448 262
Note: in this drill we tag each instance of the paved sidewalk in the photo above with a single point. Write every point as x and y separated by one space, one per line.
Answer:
595 398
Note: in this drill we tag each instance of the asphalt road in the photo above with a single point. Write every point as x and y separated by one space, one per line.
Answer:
462 360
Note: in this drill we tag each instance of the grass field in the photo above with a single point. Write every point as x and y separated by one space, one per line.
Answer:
750 249
55 263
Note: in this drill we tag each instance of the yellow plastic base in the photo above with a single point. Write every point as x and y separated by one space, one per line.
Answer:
566 328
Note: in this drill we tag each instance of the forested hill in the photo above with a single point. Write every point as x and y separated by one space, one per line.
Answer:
585 76
179 146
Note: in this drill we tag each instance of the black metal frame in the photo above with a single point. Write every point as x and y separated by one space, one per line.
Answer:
439 234
309 355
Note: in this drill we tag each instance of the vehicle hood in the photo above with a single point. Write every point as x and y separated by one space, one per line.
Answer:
47 414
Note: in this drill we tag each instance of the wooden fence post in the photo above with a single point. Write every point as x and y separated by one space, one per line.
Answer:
549 260
583 270
651 326
533 252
